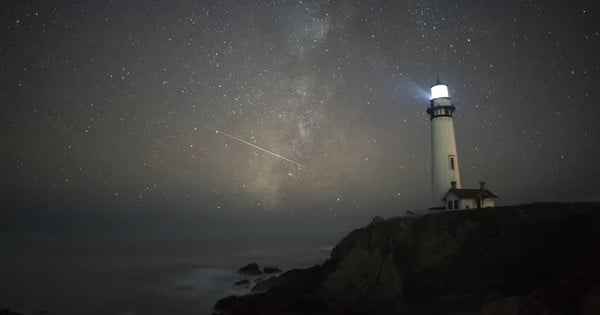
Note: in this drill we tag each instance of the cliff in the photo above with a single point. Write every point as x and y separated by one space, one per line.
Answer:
528 259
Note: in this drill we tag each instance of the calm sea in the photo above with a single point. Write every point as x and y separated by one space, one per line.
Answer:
151 276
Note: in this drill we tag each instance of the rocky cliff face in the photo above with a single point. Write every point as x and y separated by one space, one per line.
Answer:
530 259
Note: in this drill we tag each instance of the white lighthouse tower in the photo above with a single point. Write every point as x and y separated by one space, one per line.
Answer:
444 159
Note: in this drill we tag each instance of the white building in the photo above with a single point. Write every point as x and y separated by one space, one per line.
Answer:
465 199
446 189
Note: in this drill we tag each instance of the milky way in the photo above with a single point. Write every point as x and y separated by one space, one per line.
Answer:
104 103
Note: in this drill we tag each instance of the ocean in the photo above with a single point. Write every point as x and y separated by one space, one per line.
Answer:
154 275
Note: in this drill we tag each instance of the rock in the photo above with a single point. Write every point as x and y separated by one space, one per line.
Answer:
250 269
364 280
502 306
590 302
297 280
270 270
226 302
526 260
242 282
274 302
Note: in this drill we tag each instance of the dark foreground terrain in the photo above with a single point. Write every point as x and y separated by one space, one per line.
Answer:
529 259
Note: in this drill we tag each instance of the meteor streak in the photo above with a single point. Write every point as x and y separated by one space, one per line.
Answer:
254 146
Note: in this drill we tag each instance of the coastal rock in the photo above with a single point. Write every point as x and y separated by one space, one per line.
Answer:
363 280
295 280
271 270
250 269
226 302
590 302
242 282
525 260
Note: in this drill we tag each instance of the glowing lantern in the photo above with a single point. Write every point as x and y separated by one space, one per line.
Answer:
439 91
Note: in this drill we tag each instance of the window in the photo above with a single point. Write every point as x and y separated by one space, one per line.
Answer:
450 204
452 163
456 204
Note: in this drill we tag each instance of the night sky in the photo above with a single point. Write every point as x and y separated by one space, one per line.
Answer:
106 104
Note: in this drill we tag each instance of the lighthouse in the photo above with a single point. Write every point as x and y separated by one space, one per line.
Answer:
445 173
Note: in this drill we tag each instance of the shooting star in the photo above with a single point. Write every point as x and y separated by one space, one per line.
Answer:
255 146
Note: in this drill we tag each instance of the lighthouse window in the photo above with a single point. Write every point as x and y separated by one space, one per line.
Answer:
452 163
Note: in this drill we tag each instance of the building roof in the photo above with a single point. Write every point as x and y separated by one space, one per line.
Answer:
471 193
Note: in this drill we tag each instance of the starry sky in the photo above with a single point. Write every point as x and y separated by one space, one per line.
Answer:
109 104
